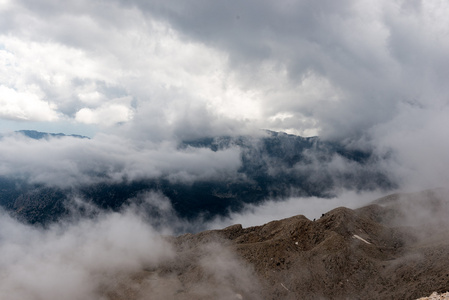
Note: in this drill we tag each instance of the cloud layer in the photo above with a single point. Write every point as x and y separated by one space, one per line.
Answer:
117 255
333 69
68 161
78 260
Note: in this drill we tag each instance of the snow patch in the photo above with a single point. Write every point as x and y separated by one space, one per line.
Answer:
360 238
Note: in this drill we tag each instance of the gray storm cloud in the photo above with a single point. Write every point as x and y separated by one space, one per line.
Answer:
334 69
372 57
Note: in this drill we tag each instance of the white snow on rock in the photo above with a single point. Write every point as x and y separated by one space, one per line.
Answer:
360 238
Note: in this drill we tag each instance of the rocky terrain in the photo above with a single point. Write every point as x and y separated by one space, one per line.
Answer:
395 248
436 296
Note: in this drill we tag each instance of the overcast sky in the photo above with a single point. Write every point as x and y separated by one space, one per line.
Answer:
333 68
371 71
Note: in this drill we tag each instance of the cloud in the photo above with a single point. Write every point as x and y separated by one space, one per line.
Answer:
118 254
231 276
25 105
334 70
104 59
275 209
76 260
68 161
365 54
417 142
50 71
113 112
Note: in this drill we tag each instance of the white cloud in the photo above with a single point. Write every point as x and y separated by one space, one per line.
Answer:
79 260
311 207
139 58
109 113
418 145
25 105
50 71
71 161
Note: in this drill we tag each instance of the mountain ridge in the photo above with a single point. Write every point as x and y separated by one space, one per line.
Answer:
37 135
273 166
345 254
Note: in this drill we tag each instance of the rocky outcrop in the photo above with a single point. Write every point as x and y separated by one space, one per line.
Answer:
346 254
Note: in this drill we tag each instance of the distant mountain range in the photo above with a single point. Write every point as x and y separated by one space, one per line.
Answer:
274 166
37 135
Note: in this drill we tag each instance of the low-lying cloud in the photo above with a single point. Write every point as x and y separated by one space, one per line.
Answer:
311 207
118 255
417 143
68 161
79 260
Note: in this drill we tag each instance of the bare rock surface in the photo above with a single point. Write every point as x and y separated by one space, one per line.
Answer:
395 248
436 296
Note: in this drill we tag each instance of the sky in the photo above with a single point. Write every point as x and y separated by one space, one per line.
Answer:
139 76
174 69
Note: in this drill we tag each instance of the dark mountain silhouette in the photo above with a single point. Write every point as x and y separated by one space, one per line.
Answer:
37 135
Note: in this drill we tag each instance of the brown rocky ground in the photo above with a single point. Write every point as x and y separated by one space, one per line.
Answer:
395 248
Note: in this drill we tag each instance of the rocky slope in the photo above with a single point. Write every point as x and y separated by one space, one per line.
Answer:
395 248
